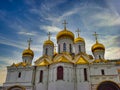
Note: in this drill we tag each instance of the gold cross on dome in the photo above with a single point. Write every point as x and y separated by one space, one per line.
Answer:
65 23
96 36
78 31
29 41
49 34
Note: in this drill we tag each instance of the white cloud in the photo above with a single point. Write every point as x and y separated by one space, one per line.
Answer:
106 19
50 28
112 49
27 33
113 53
110 41
60 18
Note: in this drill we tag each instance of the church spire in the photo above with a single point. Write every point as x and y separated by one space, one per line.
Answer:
29 41
96 37
64 23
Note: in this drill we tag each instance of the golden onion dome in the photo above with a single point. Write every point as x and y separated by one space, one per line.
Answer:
79 39
48 42
65 33
28 52
97 46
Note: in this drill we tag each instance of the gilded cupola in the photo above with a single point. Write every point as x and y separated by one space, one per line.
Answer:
48 47
28 52
48 42
97 45
65 33
79 39
98 49
79 44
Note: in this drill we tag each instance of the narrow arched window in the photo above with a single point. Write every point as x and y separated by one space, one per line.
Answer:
19 75
60 73
85 74
100 57
41 76
70 46
102 72
46 51
64 46
79 47
59 48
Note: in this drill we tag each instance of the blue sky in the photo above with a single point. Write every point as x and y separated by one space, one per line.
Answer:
23 19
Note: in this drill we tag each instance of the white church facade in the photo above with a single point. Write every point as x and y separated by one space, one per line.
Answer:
70 68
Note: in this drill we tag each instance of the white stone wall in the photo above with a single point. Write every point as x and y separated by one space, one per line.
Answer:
25 80
68 79
73 78
81 83
44 84
110 73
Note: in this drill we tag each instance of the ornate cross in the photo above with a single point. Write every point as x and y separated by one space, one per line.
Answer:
49 34
29 41
78 31
96 36
64 23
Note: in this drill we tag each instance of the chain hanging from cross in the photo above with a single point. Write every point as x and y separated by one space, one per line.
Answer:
78 31
29 41
96 36
49 34
65 23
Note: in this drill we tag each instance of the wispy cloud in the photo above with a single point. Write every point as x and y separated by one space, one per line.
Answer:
112 46
27 33
6 41
106 19
113 53
50 28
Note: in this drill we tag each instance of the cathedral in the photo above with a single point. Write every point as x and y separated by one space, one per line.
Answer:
68 68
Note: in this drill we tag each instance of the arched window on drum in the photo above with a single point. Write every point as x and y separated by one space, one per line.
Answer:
64 46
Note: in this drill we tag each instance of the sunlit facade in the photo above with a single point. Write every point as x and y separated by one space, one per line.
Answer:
69 68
